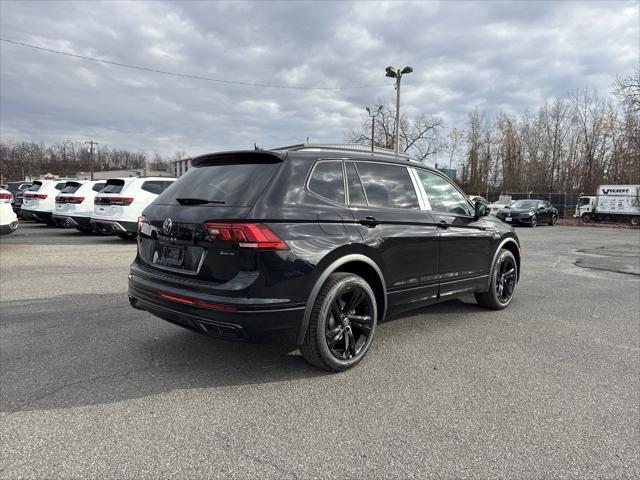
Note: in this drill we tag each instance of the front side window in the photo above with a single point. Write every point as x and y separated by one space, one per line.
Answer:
443 196
326 180
387 186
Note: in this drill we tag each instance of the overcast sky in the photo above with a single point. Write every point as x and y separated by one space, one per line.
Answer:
508 56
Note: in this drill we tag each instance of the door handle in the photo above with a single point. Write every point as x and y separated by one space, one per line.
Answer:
443 224
369 222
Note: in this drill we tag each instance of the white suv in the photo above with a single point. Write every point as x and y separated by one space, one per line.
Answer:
8 218
39 201
74 204
122 200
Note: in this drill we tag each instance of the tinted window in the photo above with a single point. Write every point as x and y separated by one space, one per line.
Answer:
60 186
356 191
113 186
70 188
234 182
387 185
443 196
98 186
35 187
154 186
327 181
524 204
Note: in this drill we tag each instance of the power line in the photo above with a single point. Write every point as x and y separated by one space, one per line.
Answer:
186 75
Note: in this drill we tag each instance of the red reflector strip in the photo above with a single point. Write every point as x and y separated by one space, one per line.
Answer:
5 196
197 303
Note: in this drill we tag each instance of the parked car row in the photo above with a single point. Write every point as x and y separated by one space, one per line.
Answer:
103 206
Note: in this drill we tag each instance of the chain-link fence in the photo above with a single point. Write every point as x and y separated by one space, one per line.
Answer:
564 202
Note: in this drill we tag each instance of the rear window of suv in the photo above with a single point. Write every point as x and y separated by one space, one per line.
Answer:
234 182
113 186
70 187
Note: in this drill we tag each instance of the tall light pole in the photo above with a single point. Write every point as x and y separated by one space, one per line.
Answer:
372 116
91 144
396 73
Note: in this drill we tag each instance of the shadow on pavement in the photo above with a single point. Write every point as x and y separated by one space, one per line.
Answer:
75 350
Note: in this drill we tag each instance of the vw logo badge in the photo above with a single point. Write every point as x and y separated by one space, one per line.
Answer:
167 225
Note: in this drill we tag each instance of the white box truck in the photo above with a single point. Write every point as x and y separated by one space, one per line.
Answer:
613 203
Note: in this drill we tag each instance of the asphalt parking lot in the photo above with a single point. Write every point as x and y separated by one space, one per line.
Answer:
548 388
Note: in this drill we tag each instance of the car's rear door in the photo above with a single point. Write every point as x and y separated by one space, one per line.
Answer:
465 241
401 234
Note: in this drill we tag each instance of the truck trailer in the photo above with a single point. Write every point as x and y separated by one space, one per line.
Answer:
613 203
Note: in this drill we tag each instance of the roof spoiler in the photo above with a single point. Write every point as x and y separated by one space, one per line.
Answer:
242 155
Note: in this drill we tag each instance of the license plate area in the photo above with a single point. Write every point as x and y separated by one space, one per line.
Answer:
508 219
172 255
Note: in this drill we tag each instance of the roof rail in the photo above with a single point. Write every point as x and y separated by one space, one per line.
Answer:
344 147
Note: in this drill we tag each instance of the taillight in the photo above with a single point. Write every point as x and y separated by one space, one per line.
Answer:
246 235
39 196
123 201
5 196
60 199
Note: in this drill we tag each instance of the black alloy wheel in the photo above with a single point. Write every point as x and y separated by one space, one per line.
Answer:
342 323
534 221
504 276
349 323
505 281
554 219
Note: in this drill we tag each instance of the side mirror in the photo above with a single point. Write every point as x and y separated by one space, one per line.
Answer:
480 209
540 208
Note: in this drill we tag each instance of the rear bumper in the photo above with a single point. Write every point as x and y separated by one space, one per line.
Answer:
229 318
74 221
38 216
115 225
10 228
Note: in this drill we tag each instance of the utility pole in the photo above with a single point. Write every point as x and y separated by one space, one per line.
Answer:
392 72
372 116
91 144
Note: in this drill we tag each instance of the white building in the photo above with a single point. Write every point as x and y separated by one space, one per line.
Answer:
178 167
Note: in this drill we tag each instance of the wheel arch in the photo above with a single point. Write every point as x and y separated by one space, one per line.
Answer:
357 264
512 245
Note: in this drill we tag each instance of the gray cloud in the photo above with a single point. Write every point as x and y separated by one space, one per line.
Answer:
490 55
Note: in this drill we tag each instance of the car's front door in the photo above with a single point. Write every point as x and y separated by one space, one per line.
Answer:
397 231
465 241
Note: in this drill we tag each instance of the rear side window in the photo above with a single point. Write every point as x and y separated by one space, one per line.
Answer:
60 186
35 187
387 186
154 186
98 186
113 186
327 181
356 191
232 182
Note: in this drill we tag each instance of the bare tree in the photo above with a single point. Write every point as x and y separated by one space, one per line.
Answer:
419 137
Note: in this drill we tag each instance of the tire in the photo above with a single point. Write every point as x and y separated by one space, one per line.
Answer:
85 230
126 236
534 221
494 299
635 221
586 218
324 327
553 219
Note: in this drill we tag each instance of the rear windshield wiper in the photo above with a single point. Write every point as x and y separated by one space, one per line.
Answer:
197 201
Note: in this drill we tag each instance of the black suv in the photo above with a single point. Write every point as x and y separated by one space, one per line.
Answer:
316 246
